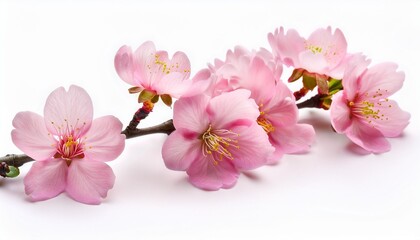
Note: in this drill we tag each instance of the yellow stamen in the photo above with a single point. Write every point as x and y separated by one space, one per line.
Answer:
219 141
265 124
314 49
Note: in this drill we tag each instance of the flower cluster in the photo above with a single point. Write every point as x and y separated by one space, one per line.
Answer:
235 115
239 115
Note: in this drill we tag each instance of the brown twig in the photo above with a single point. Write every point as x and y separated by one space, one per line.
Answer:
132 131
167 127
313 102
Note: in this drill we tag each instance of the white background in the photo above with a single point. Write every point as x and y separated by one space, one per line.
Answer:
333 192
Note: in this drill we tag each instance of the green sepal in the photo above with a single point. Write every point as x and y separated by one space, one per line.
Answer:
13 172
134 90
155 99
146 95
297 73
309 82
334 85
322 84
326 103
167 99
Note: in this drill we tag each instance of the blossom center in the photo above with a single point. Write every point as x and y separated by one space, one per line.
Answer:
69 145
164 67
70 148
314 49
329 51
370 109
217 142
365 108
265 124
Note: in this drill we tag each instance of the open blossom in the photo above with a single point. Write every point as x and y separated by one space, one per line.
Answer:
241 57
323 52
216 138
152 73
278 111
225 76
69 147
363 111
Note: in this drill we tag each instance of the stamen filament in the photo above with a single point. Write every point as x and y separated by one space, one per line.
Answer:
218 141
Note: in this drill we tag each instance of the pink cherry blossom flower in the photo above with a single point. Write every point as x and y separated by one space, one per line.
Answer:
224 76
278 111
322 52
215 139
151 72
241 56
363 111
69 148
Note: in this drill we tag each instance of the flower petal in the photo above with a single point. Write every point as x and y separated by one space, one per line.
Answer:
124 65
254 147
46 179
144 63
180 150
72 109
104 141
201 83
293 139
381 79
190 114
32 137
356 65
313 62
333 47
204 174
260 80
338 71
231 107
287 46
284 113
340 113
180 63
172 84
392 120
89 181
367 137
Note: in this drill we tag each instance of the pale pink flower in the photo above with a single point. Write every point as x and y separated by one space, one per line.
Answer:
153 71
216 138
323 52
68 147
224 76
241 57
363 111
278 111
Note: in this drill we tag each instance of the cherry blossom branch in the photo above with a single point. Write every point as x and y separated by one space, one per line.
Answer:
131 131
313 102
165 127
17 160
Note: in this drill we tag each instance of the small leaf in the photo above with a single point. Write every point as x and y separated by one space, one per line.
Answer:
134 90
167 99
155 99
13 172
322 83
326 104
297 73
309 82
334 85
146 95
